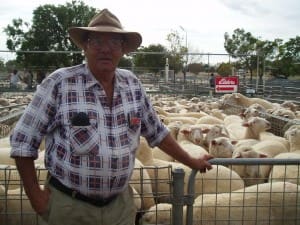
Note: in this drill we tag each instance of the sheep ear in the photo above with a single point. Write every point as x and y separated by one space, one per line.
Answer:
246 124
237 155
224 131
234 142
186 131
213 142
261 155
242 115
205 130
235 95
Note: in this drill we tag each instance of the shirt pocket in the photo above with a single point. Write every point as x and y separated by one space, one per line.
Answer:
84 139
134 130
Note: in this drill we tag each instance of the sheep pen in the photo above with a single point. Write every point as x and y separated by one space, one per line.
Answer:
208 187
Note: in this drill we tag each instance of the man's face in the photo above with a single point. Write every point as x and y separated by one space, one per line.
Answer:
103 52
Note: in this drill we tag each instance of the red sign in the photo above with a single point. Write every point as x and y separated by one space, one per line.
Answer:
226 84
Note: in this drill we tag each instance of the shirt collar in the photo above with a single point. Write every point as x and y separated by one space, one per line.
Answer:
120 81
91 80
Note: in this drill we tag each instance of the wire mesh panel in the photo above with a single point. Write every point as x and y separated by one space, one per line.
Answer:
218 197
278 124
15 208
267 203
267 200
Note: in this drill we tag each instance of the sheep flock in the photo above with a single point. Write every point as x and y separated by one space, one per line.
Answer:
233 126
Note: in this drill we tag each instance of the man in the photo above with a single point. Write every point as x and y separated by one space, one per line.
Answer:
212 80
14 79
92 116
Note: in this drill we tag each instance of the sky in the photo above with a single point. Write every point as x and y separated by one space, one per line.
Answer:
202 24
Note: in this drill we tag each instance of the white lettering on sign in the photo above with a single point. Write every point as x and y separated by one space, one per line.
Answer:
227 81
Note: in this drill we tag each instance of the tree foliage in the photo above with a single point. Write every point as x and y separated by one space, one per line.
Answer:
153 62
177 51
196 68
281 57
48 33
242 45
288 61
224 69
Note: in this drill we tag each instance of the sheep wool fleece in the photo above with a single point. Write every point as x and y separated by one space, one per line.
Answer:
63 209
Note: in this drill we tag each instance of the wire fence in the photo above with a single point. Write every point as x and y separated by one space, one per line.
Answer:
182 197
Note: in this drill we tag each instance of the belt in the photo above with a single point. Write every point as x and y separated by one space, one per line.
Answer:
100 202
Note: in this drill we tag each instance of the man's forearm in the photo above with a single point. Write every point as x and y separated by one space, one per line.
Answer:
28 175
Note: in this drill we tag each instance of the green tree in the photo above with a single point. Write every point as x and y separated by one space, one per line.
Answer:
126 62
196 67
242 45
224 69
288 62
152 57
2 65
177 51
48 33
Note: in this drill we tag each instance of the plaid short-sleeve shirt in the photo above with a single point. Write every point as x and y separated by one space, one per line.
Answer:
97 158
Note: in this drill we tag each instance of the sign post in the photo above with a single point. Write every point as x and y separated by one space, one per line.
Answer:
226 84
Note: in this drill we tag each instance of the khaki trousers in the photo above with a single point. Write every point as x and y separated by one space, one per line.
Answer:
65 210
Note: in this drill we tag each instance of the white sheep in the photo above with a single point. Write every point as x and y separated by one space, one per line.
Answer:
191 139
140 180
184 119
9 177
15 208
250 129
158 170
5 130
253 110
270 203
293 136
159 154
254 174
209 119
270 147
290 173
285 113
218 113
251 174
213 132
246 142
160 214
222 147
290 105
229 119
4 102
266 135
217 180
197 115
174 129
136 198
5 156
209 182
241 100
4 142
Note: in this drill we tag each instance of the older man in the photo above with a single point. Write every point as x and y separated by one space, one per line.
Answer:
92 116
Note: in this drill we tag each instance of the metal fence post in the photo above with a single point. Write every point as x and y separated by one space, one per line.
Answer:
178 196
190 197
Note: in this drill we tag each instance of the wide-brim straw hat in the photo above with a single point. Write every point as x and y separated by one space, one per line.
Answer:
106 22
